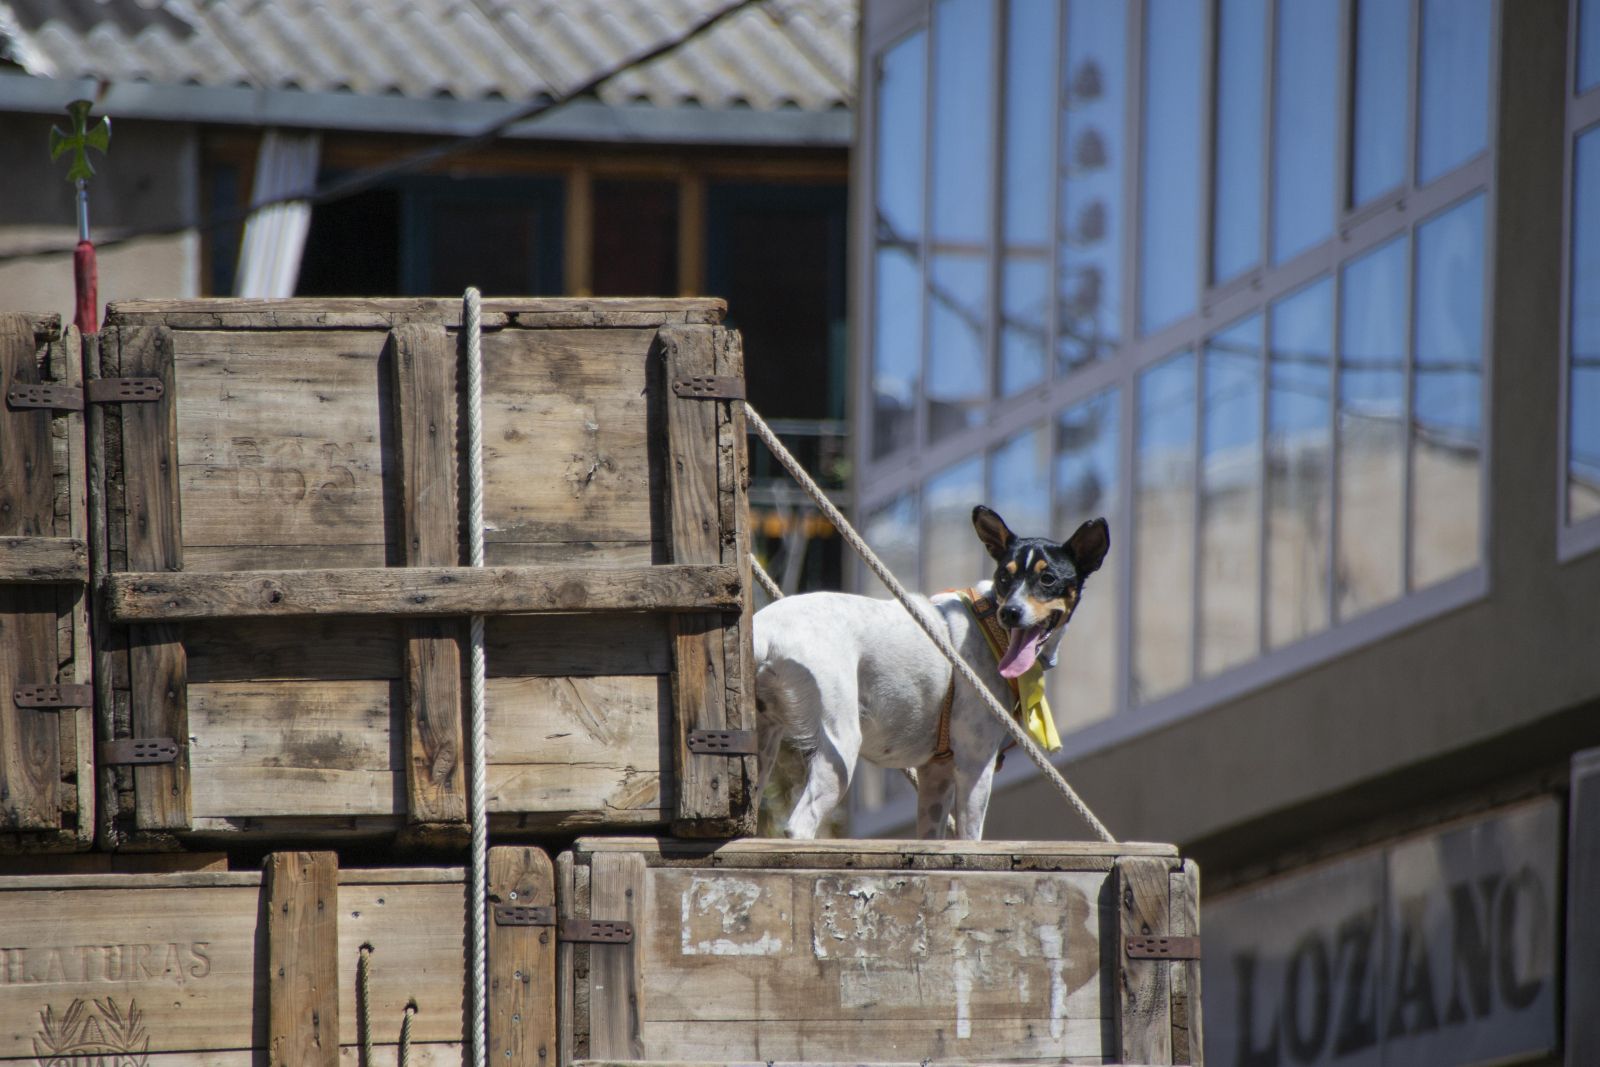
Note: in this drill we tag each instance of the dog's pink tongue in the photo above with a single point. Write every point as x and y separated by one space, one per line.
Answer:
1020 656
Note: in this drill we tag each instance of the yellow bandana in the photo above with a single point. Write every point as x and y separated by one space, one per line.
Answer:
1028 688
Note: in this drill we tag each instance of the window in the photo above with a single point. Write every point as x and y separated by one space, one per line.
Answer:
1267 376
1580 460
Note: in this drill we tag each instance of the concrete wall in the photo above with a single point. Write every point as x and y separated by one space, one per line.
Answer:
1504 685
150 177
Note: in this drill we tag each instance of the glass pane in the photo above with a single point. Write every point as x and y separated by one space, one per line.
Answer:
1454 106
1583 434
897 277
1241 97
1298 432
1230 498
1031 37
1169 211
1304 115
1083 688
1089 321
1447 416
956 390
891 530
1369 565
953 557
1383 66
963 196
1588 44
1163 528
635 238
1019 483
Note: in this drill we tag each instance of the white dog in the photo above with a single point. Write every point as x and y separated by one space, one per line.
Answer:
843 676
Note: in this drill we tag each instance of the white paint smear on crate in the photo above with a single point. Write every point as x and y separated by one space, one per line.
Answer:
870 917
719 919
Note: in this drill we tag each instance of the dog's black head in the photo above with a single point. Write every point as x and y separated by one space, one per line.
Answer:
1037 583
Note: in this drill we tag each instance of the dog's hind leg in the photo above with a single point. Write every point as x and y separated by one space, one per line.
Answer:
770 734
935 798
833 760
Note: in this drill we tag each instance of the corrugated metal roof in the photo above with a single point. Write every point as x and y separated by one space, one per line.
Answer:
774 54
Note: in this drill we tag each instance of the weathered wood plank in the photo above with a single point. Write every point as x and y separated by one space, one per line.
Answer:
30 738
158 674
528 646
733 475
1188 1044
522 962
73 602
302 912
703 796
43 560
322 649
616 991
1144 987
867 852
423 362
383 313
567 904
419 591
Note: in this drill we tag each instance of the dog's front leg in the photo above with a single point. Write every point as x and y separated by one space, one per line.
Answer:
974 782
935 798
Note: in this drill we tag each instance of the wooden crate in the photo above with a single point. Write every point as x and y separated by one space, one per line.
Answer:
284 531
46 710
231 968
879 951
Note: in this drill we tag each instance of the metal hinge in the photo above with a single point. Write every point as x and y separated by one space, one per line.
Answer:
51 695
99 391
709 387
722 742
590 931
1163 948
138 751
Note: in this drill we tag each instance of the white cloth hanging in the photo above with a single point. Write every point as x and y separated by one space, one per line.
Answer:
275 235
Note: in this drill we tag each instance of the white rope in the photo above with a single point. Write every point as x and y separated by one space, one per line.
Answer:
935 629
477 802
764 579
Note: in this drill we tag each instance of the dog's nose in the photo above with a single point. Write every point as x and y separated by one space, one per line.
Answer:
1010 615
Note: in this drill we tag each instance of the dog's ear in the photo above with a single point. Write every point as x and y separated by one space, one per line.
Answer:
992 531
1088 546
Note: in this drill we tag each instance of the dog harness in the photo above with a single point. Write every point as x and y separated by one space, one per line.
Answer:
1030 708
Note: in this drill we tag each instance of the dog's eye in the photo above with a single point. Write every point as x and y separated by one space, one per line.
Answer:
1050 579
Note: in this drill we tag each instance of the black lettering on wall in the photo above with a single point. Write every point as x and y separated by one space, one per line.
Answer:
1471 949
1250 1054
1519 994
1358 1017
1310 957
1413 974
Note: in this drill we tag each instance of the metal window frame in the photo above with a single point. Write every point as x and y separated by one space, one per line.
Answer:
1573 539
1357 230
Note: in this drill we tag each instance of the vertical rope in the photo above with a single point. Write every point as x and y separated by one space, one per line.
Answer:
404 1057
364 1004
477 803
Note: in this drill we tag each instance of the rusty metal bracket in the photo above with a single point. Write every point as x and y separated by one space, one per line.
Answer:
524 915
722 742
45 395
125 390
138 751
51 695
99 391
589 931
1163 948
595 931
709 387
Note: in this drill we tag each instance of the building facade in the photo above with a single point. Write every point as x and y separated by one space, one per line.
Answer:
1303 296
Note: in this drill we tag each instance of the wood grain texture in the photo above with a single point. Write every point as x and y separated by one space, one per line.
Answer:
1188 1036
43 560
733 476
693 508
522 962
302 919
1144 987
418 591
30 739
383 313
75 651
874 853
424 366
616 986
158 673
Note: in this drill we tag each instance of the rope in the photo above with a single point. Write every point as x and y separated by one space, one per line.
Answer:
364 1004
477 802
936 631
765 580
404 1058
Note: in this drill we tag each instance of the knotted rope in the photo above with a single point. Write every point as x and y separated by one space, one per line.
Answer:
936 631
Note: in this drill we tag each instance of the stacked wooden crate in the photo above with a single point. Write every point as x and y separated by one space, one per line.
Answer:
271 497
